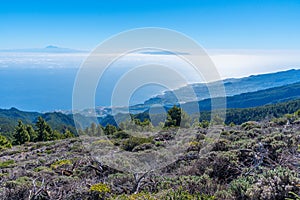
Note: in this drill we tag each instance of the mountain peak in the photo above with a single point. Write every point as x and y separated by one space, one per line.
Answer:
51 47
13 109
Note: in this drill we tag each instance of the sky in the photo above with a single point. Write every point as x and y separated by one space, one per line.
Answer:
242 37
214 24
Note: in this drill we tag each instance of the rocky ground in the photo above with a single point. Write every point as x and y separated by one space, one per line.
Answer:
255 160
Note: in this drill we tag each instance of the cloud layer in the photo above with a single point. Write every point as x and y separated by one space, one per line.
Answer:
230 63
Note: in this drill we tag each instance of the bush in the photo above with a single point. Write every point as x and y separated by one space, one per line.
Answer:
6 163
240 186
224 166
297 113
4 143
110 129
101 189
194 146
221 145
132 142
138 196
60 163
121 135
177 117
250 125
274 184
204 124
181 194
143 147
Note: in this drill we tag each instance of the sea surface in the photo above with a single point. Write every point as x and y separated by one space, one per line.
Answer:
50 89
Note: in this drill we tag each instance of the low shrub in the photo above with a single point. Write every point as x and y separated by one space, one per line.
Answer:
132 142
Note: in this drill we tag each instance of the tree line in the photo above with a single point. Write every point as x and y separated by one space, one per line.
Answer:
27 133
176 116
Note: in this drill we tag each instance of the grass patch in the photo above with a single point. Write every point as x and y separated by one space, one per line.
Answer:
59 163
7 163
42 168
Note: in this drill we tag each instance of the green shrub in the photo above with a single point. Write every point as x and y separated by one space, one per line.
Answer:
59 163
110 129
101 189
221 145
194 146
274 184
143 147
132 142
297 113
280 121
7 163
174 117
250 125
121 135
4 143
138 196
240 186
224 165
204 124
181 194
42 168
23 180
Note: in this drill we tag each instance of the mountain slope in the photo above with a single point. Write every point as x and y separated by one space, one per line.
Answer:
244 100
14 113
259 98
9 119
232 87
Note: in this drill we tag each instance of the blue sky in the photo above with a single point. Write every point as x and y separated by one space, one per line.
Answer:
215 24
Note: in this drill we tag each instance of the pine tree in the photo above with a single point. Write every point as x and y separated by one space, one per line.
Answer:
110 129
68 134
32 133
174 117
44 131
56 135
21 135
99 130
93 130
185 120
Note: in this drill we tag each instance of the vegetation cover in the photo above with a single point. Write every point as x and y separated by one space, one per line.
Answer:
253 160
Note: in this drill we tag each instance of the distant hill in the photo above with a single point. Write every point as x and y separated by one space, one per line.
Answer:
14 113
244 100
254 99
232 87
58 121
235 115
47 49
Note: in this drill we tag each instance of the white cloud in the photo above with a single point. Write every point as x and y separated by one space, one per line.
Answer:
229 63
238 63
41 60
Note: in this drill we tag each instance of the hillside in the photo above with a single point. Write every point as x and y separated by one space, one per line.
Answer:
256 160
232 87
9 119
245 100
241 115
254 99
59 121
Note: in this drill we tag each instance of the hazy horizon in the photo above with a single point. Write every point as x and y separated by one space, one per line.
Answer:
231 63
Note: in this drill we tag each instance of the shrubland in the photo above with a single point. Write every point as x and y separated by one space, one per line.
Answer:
253 160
